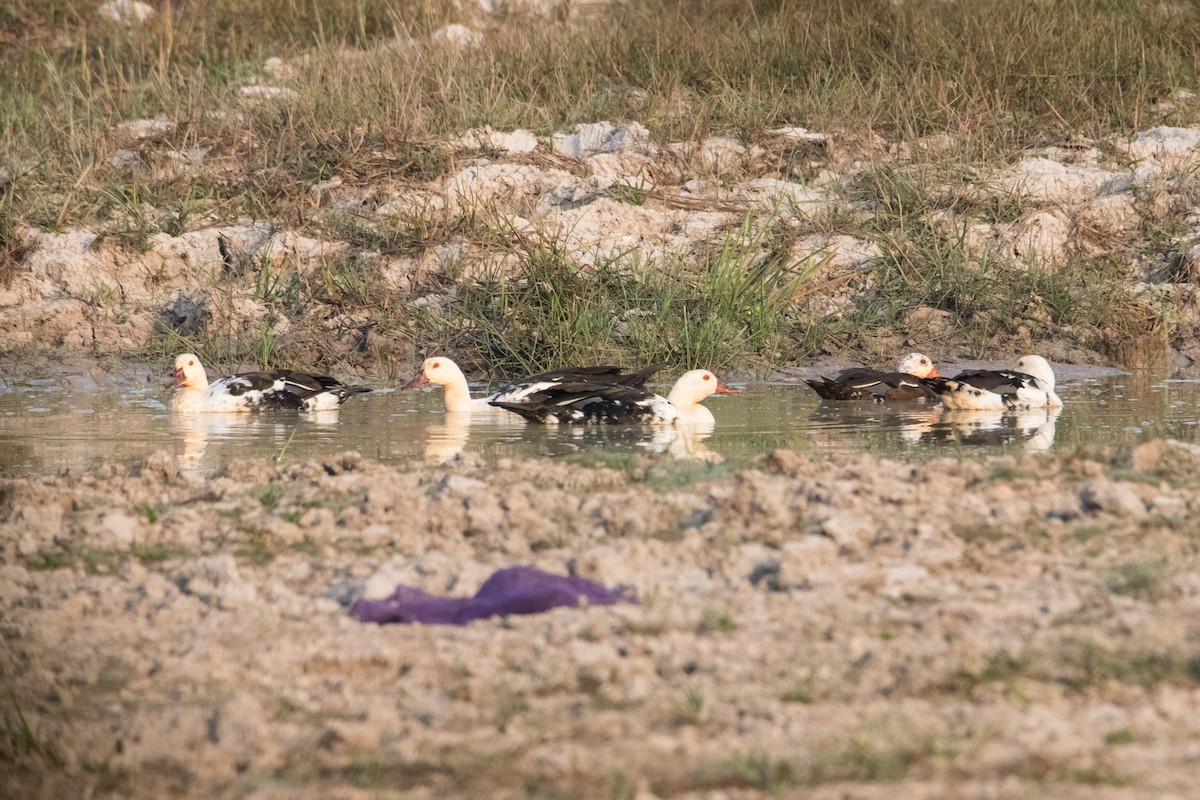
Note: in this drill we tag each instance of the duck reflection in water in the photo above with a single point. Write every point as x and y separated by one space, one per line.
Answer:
683 441
192 434
447 437
1034 428
916 425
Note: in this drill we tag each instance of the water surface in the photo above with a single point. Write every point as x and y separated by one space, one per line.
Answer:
76 422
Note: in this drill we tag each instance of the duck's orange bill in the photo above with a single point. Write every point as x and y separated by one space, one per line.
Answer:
420 380
177 379
933 373
723 388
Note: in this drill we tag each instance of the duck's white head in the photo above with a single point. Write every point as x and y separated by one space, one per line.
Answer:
438 370
918 364
189 374
694 386
1038 367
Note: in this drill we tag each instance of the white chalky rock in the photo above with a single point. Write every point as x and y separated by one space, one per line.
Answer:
259 93
798 134
1169 146
515 143
1038 238
136 130
599 137
457 35
126 12
1045 181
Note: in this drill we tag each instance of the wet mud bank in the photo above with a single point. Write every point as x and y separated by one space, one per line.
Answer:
842 627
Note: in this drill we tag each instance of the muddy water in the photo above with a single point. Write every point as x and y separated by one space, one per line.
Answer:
73 423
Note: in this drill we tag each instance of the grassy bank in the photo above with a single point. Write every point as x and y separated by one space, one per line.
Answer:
370 97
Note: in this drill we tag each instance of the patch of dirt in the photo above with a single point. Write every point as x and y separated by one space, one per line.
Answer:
843 627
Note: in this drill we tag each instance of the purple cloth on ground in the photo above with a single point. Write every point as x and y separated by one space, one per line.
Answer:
515 590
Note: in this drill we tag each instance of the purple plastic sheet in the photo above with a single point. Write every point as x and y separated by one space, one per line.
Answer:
514 590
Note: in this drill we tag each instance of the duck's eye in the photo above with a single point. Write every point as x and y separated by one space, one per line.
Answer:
435 365
191 363
924 360
1020 363
707 376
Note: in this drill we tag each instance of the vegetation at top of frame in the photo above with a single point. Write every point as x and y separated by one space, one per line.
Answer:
1001 74
371 95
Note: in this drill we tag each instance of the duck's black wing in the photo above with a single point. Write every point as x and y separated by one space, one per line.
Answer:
999 381
862 383
597 376
583 401
285 388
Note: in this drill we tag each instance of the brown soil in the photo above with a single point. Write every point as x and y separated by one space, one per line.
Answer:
849 628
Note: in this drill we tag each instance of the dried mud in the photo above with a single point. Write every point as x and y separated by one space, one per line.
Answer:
851 628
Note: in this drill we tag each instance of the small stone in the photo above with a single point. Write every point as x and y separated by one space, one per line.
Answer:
457 35
125 12
1102 494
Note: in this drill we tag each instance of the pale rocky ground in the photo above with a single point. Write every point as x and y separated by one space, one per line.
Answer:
600 191
841 628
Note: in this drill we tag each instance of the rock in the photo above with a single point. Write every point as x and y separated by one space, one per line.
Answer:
238 245
456 35
159 465
261 94
1175 148
1102 494
1109 214
849 529
141 130
599 137
925 321
1039 238
1044 181
1165 455
909 579
278 69
797 134
187 316
121 529
215 581
720 154
125 12
515 143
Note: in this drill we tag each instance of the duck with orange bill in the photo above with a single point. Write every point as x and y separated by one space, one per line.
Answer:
579 394
907 384
1029 385
255 391
569 396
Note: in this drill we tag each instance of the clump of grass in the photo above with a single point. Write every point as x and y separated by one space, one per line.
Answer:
1141 580
1119 736
148 553
148 510
988 297
717 622
92 560
19 740
1089 664
554 311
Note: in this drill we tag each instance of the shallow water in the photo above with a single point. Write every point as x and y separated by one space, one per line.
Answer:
75 423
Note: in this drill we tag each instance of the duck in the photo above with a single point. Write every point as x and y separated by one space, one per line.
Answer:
577 396
442 371
1030 384
255 391
861 383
